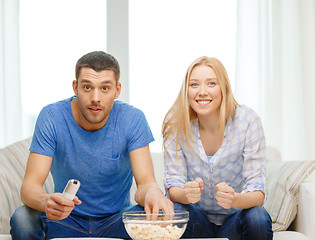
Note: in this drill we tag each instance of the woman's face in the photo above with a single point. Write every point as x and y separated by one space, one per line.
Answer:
204 92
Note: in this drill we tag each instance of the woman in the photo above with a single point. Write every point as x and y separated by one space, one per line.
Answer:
214 151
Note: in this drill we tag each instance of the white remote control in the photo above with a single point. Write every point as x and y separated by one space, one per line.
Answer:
71 189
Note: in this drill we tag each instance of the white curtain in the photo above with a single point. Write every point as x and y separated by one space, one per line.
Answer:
10 92
275 71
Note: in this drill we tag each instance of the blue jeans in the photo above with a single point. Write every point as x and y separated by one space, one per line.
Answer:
249 224
28 224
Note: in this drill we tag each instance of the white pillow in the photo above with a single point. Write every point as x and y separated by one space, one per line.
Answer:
12 169
283 182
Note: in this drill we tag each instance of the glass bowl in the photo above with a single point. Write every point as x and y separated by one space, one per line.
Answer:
142 226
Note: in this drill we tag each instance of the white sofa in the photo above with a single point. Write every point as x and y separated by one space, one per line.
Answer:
12 167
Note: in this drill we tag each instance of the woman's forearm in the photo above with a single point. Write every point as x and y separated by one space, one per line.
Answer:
177 194
248 200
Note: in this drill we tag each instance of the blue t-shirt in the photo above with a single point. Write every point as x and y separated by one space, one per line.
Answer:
98 159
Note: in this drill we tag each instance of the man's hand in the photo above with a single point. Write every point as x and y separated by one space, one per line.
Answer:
225 195
193 190
58 207
155 200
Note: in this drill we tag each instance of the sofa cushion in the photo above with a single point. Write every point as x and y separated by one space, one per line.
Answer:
12 169
289 235
283 182
5 237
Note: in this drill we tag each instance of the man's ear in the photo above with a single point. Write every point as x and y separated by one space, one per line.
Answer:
75 87
118 90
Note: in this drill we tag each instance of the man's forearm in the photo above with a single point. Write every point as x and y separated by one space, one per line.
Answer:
34 196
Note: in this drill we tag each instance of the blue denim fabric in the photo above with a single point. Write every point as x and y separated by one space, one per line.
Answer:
250 224
29 224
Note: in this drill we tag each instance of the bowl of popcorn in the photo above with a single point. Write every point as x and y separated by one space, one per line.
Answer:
142 226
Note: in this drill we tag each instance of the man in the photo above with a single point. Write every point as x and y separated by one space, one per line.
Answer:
102 143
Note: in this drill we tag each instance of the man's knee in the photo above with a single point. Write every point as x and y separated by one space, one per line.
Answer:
24 216
25 221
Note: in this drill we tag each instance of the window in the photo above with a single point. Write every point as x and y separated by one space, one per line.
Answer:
165 37
54 34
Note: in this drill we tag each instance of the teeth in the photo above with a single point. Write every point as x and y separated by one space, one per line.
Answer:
203 102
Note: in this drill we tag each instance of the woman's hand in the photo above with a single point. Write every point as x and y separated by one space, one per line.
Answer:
193 190
225 195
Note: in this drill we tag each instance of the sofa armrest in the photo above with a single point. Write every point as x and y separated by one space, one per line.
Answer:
306 210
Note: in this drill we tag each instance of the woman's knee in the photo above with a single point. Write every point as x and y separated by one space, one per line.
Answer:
198 225
257 220
258 215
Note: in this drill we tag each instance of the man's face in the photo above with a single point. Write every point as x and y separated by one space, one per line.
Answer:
96 92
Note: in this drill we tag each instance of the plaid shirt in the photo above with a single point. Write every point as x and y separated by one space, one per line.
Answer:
240 162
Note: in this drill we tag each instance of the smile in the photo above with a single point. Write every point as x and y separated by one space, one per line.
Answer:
203 102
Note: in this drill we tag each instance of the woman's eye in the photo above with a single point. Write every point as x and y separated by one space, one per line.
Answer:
212 83
194 85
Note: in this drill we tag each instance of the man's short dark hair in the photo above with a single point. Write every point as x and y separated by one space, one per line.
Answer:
98 61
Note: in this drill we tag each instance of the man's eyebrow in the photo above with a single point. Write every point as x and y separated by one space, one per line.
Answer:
85 81
103 82
107 82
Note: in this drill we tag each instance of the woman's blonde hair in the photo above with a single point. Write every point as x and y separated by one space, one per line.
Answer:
178 118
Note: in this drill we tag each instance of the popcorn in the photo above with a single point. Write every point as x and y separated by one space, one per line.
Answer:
153 231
